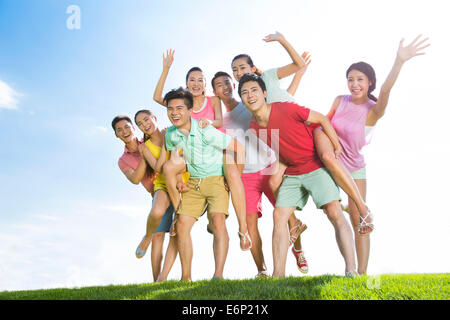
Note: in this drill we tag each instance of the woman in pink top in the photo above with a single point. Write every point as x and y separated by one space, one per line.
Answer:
208 110
353 116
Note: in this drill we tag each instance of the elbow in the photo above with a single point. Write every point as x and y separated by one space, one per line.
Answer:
159 100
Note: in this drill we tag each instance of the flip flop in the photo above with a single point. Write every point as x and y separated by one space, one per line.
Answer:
141 253
245 237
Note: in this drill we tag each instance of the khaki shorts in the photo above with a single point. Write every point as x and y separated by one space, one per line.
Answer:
205 191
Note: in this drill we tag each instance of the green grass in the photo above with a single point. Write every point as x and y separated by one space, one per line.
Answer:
326 287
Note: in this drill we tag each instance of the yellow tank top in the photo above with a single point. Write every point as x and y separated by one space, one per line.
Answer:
159 182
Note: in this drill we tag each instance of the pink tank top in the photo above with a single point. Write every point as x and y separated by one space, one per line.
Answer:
206 111
349 121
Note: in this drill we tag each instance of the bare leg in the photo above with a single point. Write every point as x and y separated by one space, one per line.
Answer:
362 241
184 226
171 255
343 233
160 204
256 250
280 239
220 243
175 166
275 181
338 172
157 256
233 176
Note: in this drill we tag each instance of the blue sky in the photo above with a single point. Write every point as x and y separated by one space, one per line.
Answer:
69 217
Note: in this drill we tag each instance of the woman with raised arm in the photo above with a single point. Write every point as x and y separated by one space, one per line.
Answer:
207 110
354 117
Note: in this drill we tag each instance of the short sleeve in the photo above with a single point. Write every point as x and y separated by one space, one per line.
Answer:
169 139
270 77
298 112
123 165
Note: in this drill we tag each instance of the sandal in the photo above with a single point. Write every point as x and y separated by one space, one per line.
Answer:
262 274
141 253
245 237
363 223
296 231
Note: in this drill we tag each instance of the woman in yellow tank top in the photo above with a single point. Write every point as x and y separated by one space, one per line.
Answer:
154 152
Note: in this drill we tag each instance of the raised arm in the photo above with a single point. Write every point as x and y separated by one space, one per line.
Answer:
297 61
167 62
299 74
404 53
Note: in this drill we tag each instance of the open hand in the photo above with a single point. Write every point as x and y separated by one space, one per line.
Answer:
274 37
404 53
168 58
306 57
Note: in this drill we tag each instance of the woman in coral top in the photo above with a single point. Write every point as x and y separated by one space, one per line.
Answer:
353 117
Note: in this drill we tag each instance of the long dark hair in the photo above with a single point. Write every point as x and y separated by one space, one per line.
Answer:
149 171
249 61
369 72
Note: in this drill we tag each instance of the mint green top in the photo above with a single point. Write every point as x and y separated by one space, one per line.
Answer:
274 92
202 149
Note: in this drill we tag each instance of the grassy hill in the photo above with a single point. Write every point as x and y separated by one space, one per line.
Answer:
326 287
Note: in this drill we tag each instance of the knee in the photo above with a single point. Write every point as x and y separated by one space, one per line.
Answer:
328 159
158 237
168 167
333 211
232 174
157 212
274 182
279 217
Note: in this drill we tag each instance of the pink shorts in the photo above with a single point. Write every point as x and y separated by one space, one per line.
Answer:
255 184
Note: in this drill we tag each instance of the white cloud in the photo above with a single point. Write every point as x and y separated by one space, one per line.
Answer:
8 97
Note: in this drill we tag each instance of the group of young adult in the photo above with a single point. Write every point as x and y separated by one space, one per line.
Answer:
264 144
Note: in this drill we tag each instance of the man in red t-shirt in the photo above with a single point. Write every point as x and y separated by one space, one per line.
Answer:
283 125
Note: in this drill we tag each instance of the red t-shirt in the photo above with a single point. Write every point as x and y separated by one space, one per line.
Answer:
296 144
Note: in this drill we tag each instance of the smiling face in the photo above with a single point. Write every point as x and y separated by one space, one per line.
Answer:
196 83
358 84
223 87
146 123
240 67
253 96
178 113
124 131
